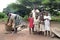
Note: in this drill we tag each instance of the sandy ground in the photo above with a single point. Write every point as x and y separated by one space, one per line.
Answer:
24 35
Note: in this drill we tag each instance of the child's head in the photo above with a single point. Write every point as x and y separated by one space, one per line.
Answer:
30 15
46 14
36 17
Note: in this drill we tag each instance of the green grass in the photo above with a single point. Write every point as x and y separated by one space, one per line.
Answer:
55 18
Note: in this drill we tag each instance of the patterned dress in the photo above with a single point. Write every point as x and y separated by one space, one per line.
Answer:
36 25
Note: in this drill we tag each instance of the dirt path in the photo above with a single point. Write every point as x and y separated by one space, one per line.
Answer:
23 35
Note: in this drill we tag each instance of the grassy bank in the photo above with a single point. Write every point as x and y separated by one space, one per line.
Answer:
55 18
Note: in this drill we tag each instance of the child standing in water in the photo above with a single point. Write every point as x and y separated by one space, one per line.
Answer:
31 25
47 19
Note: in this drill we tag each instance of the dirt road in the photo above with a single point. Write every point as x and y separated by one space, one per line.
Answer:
23 35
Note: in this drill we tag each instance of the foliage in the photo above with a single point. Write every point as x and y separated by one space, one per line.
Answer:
17 9
29 3
2 15
23 11
55 18
25 17
58 1
21 7
11 8
45 1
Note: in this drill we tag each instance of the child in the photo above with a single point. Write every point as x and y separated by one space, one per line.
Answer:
31 20
36 24
47 19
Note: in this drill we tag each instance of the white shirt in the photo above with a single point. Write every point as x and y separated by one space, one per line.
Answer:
47 17
33 13
37 10
12 15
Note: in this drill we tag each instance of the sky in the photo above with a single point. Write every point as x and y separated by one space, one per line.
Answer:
4 3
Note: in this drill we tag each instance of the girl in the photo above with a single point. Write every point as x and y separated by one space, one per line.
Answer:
47 19
36 24
31 20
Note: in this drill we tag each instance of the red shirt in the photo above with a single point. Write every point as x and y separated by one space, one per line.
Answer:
31 20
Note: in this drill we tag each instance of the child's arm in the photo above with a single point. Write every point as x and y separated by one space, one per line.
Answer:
49 17
7 21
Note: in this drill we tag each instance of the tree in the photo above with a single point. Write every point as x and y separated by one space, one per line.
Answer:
24 7
29 3
16 8
2 15
52 5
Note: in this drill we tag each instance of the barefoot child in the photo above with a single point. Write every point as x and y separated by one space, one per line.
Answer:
30 20
47 19
36 24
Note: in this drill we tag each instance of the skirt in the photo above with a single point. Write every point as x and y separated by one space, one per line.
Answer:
47 25
42 28
36 27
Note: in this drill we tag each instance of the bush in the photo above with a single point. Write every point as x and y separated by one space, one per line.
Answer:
55 18
26 17
2 15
